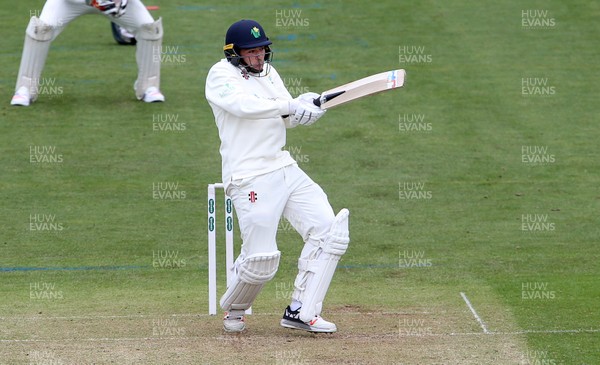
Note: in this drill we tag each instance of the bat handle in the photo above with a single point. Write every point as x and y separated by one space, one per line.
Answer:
317 101
325 98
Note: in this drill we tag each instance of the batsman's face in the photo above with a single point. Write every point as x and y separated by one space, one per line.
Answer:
254 57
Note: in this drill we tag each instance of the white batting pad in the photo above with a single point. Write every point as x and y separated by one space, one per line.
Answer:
148 53
315 271
35 52
252 274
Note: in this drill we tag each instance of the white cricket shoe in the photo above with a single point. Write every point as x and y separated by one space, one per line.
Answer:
153 95
234 321
291 319
21 97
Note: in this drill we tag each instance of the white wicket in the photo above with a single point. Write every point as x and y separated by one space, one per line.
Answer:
212 245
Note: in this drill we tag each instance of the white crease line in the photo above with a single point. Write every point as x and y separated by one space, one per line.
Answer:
485 330
151 316
68 318
389 335
509 333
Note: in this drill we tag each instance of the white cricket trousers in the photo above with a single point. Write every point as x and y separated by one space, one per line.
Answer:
59 13
261 201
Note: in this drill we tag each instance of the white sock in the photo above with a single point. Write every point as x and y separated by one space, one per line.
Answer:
295 305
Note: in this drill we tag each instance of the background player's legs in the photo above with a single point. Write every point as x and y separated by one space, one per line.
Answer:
148 53
135 16
39 34
148 34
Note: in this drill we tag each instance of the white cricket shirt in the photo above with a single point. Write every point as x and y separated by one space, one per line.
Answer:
248 113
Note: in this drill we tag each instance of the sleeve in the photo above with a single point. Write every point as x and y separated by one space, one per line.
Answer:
224 89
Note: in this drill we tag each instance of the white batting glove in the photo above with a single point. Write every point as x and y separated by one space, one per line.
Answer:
303 110
306 113
114 8
310 97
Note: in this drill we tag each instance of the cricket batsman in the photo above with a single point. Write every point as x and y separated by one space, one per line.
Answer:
253 109
57 14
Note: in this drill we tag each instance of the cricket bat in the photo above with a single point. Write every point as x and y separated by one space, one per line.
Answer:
370 85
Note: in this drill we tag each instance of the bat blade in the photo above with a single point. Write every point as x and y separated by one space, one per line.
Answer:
370 85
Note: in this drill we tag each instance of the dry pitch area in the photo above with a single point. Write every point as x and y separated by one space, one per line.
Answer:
414 336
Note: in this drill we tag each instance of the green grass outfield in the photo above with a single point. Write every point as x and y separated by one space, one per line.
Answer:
480 177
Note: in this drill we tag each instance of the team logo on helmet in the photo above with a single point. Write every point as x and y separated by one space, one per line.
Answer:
255 32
